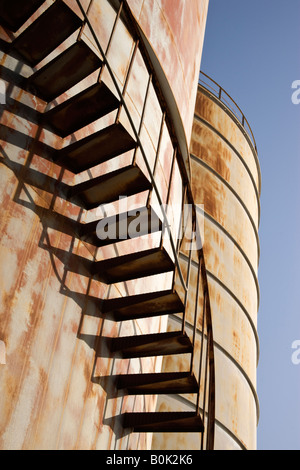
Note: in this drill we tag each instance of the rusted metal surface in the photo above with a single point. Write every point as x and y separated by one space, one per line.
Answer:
218 155
170 441
141 306
56 383
230 215
81 110
224 125
236 408
123 181
208 83
95 149
178 47
62 73
51 28
228 184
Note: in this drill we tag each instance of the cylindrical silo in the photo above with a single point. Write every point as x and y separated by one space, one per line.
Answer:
226 187
100 97
226 180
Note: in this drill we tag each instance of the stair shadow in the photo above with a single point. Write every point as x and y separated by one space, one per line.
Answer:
90 306
11 76
108 383
116 424
107 345
25 142
73 263
23 111
50 219
33 177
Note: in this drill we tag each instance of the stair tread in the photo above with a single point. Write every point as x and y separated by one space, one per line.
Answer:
120 227
97 148
46 33
159 383
133 266
108 188
159 344
163 422
14 13
61 74
143 305
80 110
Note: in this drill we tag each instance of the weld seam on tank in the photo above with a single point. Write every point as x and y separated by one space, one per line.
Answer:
237 122
247 314
231 358
215 173
247 378
227 234
239 200
230 434
189 404
213 129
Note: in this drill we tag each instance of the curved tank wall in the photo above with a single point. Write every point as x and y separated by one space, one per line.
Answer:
175 30
55 385
226 188
226 181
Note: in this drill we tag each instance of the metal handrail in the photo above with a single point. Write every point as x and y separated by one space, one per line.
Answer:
206 373
202 273
137 137
207 82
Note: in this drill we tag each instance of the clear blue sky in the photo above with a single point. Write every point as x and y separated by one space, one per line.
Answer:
252 49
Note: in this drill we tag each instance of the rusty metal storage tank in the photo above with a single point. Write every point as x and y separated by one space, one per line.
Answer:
100 97
226 180
226 185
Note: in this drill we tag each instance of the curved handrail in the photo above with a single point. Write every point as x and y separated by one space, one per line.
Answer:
201 265
137 137
210 84
206 374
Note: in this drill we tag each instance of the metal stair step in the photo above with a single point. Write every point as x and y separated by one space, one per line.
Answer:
161 383
142 306
84 108
97 148
46 33
159 344
120 227
133 266
14 13
163 422
61 74
108 188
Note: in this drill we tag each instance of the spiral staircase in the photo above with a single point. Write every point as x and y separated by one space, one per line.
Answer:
42 36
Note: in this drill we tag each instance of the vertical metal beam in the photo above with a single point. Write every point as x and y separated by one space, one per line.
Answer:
196 314
157 156
136 47
103 53
168 197
201 350
142 116
84 21
188 276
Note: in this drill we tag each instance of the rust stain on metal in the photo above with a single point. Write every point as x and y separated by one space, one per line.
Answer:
182 47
